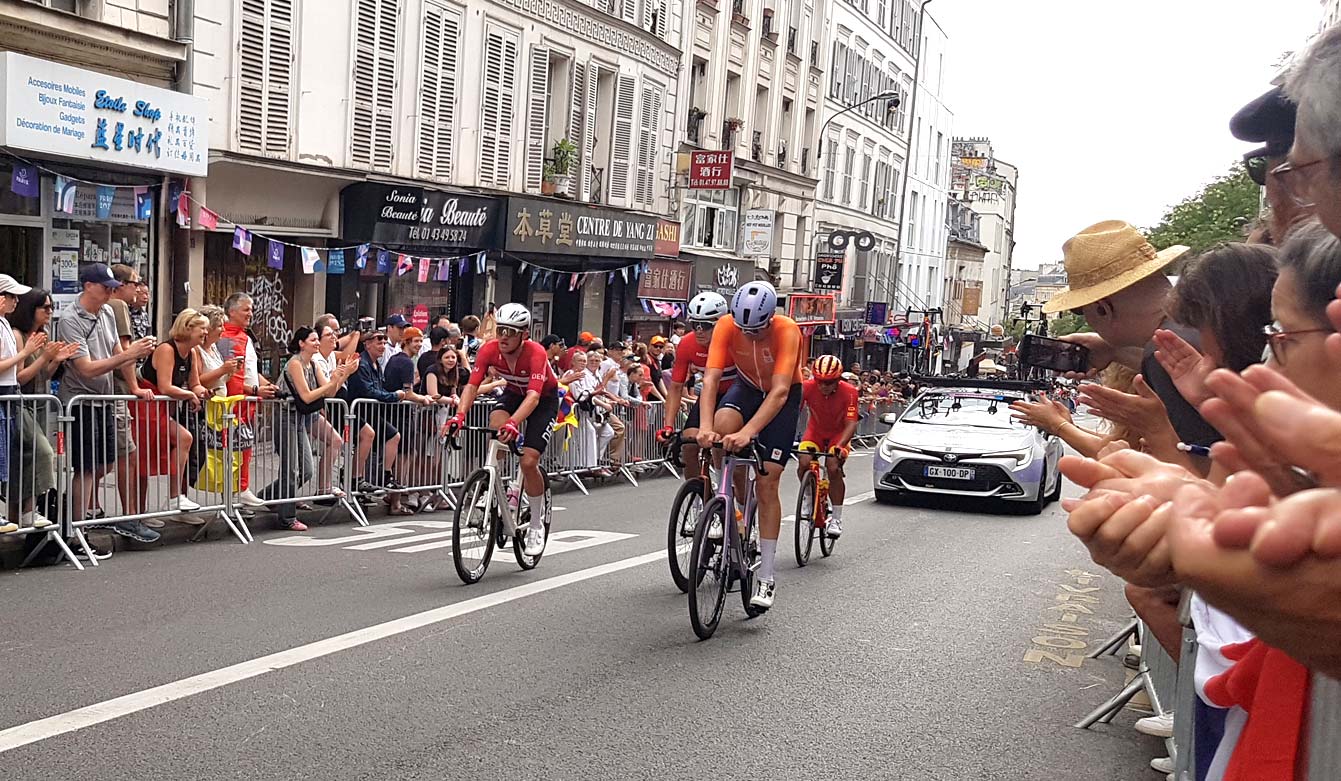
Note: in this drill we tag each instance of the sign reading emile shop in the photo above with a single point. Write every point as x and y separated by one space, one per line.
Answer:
535 225
71 112
414 216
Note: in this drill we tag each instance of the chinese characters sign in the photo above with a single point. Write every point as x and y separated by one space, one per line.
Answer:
668 280
60 110
829 271
811 310
710 170
556 227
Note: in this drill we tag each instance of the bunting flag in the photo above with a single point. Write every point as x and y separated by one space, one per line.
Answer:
535 272
65 195
624 272
335 262
361 259
144 203
311 260
461 266
572 283
522 266
208 220
174 196
610 278
184 210
403 264
480 259
242 240
275 254
105 196
647 306
424 265
383 262
444 270
23 181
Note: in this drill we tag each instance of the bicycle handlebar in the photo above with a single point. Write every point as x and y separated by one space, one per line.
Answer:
514 446
754 449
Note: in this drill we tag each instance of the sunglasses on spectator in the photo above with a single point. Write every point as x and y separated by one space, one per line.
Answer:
1256 166
1277 339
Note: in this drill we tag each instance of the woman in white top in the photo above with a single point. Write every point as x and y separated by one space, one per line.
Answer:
15 437
214 370
325 436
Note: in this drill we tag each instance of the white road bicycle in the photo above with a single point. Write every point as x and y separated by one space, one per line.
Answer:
485 518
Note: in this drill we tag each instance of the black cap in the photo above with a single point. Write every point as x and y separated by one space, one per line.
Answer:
552 339
1269 119
98 274
616 346
396 321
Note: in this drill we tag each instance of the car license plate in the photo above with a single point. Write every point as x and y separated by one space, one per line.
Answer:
950 472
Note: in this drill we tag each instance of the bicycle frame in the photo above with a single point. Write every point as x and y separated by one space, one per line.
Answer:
735 543
498 491
821 482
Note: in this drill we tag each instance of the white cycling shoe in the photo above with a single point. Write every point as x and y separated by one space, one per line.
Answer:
535 542
763 593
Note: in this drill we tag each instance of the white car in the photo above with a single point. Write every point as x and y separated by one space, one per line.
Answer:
961 441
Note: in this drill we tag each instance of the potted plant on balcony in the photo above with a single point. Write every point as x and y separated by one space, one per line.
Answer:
563 159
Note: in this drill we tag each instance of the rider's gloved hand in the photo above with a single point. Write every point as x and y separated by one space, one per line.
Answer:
508 432
455 423
666 434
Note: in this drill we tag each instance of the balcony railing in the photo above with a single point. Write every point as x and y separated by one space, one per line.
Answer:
814 54
791 40
782 154
728 135
805 160
766 29
757 147
694 125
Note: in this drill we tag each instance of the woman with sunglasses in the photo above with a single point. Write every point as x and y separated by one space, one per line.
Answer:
691 358
530 399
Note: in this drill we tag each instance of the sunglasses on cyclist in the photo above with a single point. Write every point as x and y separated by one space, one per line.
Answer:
507 332
702 325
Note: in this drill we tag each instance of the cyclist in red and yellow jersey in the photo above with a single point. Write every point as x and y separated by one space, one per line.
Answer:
763 403
833 421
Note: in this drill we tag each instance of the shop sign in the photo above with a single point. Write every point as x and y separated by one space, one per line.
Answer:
710 170
811 310
757 233
851 322
829 271
417 217
559 228
666 280
877 312
722 276
55 109
668 239
122 206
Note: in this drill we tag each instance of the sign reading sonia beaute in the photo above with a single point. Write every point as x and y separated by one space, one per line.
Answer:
413 216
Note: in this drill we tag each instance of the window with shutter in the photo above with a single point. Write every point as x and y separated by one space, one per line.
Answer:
576 123
265 76
375 56
588 144
537 121
621 150
663 8
437 92
644 193
629 11
496 104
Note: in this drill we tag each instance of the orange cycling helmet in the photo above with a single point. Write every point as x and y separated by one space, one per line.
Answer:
828 367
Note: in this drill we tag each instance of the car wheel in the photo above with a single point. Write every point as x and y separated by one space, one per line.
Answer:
1056 493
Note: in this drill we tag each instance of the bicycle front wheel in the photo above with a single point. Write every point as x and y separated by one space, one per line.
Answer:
805 519
826 542
685 511
473 529
708 571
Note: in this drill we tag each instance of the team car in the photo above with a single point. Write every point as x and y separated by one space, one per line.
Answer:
959 440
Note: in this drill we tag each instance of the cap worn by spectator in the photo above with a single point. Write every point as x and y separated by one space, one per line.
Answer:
1270 120
585 337
616 346
396 321
656 340
12 286
551 340
98 274
375 333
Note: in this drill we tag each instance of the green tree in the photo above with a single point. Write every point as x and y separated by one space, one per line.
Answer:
1220 212
1068 323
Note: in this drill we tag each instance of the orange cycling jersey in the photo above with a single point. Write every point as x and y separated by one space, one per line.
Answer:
779 352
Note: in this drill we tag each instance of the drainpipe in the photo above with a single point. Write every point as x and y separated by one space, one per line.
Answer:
912 146
181 242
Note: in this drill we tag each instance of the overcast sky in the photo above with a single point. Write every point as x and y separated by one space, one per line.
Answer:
1111 110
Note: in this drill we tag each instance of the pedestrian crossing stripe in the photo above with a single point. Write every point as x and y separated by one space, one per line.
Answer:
422 536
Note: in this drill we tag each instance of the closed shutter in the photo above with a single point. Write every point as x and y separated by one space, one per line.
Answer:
537 124
500 85
648 122
629 10
576 124
662 9
372 135
265 77
589 130
437 92
622 148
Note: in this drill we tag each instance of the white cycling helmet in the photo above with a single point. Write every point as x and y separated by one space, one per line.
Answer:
754 305
514 316
707 307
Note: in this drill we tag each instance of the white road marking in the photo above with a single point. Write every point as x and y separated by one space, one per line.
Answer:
98 713
559 542
859 498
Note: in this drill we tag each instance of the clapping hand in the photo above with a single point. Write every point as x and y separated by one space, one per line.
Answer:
1142 412
1186 367
35 343
1046 414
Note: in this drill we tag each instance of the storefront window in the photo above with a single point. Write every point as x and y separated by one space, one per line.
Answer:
709 219
407 295
84 237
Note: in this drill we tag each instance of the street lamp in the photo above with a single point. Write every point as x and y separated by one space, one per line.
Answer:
892 97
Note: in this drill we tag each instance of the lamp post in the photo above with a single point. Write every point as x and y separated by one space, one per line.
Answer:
892 97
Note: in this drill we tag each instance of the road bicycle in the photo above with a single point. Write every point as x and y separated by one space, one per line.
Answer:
716 565
490 514
694 494
813 509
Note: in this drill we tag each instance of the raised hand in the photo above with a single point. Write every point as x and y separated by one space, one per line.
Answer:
1186 367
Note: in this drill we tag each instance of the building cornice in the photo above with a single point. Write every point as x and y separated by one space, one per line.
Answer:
55 35
601 28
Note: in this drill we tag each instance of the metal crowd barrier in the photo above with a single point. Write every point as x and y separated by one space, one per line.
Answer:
132 461
398 454
31 472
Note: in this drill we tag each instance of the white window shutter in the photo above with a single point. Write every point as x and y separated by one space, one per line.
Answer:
500 85
576 123
648 121
384 111
589 129
662 9
437 92
537 125
629 10
251 77
372 134
279 77
265 76
622 148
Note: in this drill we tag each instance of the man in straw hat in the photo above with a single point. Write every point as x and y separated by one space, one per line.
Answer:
1116 282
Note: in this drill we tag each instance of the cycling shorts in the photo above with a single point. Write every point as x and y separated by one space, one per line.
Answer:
538 425
818 443
779 435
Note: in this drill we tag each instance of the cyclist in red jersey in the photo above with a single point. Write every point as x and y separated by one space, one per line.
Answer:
691 356
531 397
833 421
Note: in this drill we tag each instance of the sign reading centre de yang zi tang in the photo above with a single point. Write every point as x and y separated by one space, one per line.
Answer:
559 228
70 112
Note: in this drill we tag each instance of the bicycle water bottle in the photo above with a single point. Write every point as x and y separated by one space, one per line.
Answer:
514 498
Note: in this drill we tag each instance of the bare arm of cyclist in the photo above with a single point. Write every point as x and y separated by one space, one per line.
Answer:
707 406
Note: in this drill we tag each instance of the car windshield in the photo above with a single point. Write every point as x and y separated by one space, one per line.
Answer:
954 410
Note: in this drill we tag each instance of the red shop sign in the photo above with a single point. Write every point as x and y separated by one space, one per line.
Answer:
710 169
811 310
666 280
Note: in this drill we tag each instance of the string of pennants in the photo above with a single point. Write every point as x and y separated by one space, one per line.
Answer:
549 279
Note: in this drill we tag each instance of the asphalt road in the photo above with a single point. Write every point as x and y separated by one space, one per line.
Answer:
919 651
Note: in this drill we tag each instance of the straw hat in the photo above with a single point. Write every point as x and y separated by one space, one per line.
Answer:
1104 259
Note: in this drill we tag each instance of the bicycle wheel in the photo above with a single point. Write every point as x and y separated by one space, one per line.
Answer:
472 532
519 538
750 557
708 572
805 519
685 510
826 542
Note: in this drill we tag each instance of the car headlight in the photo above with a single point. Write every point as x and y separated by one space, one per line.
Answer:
888 448
1022 457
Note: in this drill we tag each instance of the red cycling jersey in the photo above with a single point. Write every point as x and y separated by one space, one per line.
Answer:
690 356
532 371
829 415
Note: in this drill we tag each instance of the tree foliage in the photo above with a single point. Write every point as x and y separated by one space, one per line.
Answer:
1222 211
1068 323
